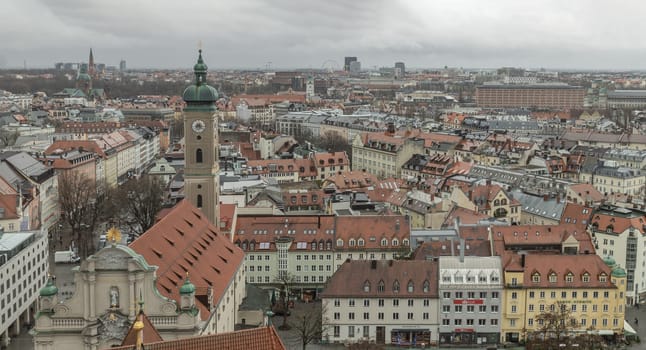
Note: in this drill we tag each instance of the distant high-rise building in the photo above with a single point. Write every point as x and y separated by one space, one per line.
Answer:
122 65
309 88
58 66
355 67
348 61
401 67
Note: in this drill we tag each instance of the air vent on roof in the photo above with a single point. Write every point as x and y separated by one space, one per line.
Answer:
197 215
157 252
230 250
170 241
181 233
183 267
189 223
215 269
223 259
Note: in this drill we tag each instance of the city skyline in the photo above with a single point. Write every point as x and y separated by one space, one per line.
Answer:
286 34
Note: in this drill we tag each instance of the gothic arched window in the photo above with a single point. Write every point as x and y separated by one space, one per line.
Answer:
199 201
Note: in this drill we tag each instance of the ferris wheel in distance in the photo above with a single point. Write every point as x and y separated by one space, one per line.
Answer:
330 66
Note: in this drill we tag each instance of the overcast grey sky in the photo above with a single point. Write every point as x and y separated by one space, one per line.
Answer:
590 34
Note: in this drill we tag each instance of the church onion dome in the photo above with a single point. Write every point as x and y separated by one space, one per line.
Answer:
609 261
200 92
618 272
49 289
187 287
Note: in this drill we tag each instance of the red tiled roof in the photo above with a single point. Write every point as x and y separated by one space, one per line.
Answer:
372 229
576 214
184 241
351 179
150 333
351 278
262 338
562 265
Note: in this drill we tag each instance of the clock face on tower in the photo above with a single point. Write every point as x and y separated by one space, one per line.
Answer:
198 126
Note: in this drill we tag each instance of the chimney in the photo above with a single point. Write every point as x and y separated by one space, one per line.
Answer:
488 182
452 248
461 250
546 197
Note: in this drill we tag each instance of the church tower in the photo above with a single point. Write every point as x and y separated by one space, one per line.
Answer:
91 65
201 152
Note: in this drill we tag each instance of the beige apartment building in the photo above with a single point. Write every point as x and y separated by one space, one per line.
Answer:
384 154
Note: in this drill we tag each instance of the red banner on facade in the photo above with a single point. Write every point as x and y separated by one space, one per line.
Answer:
468 301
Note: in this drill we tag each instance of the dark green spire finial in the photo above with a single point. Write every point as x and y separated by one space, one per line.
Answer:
200 69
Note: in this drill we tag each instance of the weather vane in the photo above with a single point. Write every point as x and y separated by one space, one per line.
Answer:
114 235
199 44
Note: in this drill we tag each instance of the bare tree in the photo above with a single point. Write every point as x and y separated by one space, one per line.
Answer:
82 208
285 280
8 137
555 325
309 325
139 201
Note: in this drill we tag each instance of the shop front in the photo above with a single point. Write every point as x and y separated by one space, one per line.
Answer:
468 336
409 337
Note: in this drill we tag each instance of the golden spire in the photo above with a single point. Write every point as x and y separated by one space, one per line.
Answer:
139 328
113 235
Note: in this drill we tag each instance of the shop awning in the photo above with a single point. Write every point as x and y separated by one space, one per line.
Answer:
628 329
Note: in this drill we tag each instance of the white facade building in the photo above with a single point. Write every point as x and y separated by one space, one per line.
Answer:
384 302
23 272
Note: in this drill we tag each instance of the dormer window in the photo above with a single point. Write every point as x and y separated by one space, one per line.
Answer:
426 286
395 242
339 243
366 286
381 287
536 278
603 277
553 277
495 278
351 242
384 242
586 277
410 286
569 278
396 286
360 242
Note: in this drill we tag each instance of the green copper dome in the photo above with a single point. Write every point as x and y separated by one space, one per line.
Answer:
200 94
49 289
187 287
83 73
618 272
609 261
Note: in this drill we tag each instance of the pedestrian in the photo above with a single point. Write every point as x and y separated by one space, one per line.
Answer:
636 322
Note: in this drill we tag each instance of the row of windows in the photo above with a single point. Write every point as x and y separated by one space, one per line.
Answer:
469 322
470 295
469 308
573 322
381 302
458 277
573 308
381 315
563 295
569 278
360 242
410 287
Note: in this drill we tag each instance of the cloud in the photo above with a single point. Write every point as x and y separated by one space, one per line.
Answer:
306 33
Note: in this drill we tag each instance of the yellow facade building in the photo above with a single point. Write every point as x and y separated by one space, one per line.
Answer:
592 289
